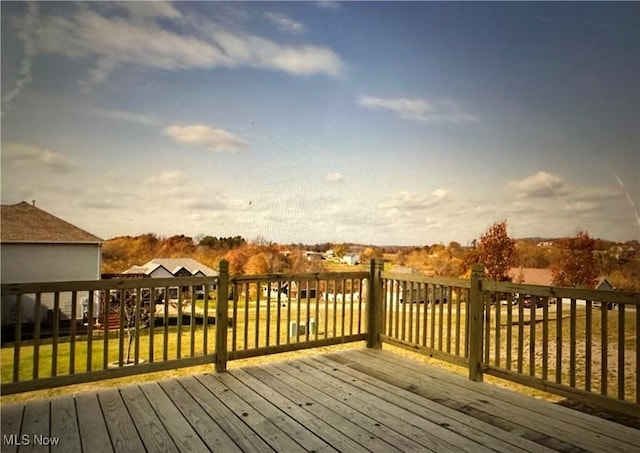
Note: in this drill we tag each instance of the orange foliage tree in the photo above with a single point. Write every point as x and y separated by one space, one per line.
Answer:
497 251
576 265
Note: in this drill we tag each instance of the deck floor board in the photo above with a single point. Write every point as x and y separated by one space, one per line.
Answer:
354 401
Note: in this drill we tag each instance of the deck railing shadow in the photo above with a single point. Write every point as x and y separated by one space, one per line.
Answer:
582 344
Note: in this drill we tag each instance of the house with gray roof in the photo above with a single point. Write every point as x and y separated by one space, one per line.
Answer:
36 246
172 267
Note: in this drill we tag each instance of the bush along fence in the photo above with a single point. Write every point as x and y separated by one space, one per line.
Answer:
582 344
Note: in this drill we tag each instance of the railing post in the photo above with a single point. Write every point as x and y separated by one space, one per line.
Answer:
475 315
374 304
222 316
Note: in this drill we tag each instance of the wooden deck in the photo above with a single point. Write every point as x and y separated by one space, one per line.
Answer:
354 401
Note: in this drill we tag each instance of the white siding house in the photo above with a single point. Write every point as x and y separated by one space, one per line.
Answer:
36 246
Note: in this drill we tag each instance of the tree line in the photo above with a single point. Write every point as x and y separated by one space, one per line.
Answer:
577 261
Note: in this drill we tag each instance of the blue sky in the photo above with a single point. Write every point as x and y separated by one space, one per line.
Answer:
385 123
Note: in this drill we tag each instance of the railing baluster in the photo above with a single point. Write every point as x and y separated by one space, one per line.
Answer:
317 312
351 310
604 349
307 311
449 308
72 332
268 315
246 315
545 338
137 326
90 331
621 352
405 300
257 323
559 305
192 322
425 315
205 321
335 308
179 325
56 332
433 317
588 345
279 312
572 343
105 328
152 321
360 307
234 309
17 339
532 336
520 332
441 317
326 308
458 320
509 298
165 326
498 345
487 327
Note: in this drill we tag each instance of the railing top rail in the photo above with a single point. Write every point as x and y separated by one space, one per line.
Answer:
620 297
90 285
416 278
295 277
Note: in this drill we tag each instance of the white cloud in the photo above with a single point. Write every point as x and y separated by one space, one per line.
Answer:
408 201
284 23
334 177
328 4
137 38
250 50
212 139
27 155
419 109
129 117
540 185
24 72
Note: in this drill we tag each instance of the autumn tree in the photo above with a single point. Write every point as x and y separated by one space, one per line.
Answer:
576 264
496 250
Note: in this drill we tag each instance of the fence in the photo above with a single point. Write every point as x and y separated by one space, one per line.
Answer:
71 332
578 343
582 344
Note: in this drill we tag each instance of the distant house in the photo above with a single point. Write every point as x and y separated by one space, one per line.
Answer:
39 247
531 276
604 285
351 259
172 267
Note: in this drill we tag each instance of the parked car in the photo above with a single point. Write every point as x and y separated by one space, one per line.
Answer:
528 301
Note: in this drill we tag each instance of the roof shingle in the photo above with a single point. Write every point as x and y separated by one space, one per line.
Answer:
23 222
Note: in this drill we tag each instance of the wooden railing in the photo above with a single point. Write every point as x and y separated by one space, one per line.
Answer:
286 312
561 340
427 314
71 332
582 344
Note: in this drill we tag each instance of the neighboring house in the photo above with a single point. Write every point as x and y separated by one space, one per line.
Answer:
531 276
604 285
351 259
39 247
172 267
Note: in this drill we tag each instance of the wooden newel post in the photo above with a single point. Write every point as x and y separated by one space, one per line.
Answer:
476 314
374 304
222 316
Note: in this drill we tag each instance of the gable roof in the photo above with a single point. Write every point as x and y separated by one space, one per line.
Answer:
173 265
23 222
